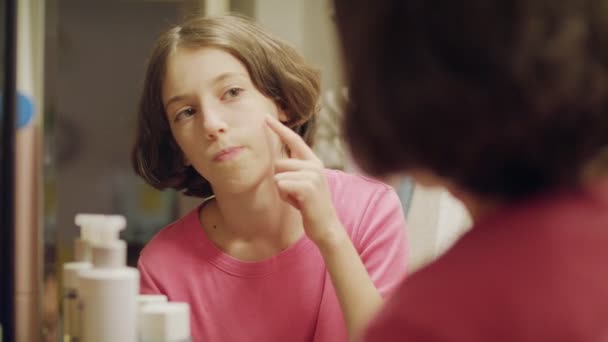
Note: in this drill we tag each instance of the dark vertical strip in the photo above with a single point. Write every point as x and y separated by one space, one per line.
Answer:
7 177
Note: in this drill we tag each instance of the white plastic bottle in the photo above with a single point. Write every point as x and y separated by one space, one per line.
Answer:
144 300
166 322
109 290
70 293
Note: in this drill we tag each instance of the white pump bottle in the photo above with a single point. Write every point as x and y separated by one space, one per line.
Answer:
109 290
82 261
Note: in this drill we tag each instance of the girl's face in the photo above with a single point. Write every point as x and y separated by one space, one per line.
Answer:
216 116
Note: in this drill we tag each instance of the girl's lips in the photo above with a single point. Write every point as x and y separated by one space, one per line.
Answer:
227 154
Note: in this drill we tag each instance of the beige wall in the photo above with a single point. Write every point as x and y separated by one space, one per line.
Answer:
435 221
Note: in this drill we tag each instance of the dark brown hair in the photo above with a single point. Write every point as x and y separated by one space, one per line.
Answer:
276 69
504 98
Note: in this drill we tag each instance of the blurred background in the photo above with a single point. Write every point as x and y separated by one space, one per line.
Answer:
80 73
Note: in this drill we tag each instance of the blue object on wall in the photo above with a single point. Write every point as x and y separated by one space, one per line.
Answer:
25 110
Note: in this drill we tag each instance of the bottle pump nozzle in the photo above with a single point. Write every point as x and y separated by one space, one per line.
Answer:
108 250
82 244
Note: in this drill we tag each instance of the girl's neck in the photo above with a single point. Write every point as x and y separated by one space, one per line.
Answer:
254 224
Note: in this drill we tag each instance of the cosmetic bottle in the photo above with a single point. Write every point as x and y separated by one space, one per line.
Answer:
144 300
109 290
165 322
82 261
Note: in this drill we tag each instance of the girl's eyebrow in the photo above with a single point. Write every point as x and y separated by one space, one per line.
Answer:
176 98
227 75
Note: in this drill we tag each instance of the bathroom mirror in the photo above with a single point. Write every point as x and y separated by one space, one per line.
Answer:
94 59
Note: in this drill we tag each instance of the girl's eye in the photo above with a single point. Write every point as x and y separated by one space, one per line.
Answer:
232 93
188 112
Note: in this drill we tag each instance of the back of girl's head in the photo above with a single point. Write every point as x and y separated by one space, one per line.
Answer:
504 98
276 69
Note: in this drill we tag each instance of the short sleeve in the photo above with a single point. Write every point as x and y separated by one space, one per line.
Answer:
381 240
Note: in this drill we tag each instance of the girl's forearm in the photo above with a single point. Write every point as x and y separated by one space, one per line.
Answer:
358 297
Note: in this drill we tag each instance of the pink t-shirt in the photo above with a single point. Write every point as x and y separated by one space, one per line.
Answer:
288 297
537 272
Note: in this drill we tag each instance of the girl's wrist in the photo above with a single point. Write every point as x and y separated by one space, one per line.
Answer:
334 240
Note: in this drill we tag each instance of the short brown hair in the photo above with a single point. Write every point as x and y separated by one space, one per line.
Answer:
506 99
276 69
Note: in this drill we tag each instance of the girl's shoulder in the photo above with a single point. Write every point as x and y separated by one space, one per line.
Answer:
354 183
360 201
174 237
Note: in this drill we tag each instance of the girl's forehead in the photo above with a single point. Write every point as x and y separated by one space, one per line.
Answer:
200 68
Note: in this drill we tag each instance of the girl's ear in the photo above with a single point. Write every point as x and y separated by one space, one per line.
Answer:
283 116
